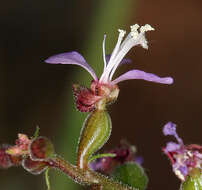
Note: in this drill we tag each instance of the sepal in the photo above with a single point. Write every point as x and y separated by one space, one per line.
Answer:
96 131
85 99
34 167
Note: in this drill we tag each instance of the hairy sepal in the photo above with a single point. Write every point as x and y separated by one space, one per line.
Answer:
95 133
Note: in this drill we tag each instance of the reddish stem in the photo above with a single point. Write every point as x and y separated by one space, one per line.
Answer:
85 176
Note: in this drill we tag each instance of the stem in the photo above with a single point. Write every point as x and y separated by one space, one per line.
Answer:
47 179
86 177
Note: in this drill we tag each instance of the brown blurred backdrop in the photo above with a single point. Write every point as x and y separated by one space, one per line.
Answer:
34 93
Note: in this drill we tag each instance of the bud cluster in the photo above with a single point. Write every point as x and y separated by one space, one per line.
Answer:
184 158
32 154
7 160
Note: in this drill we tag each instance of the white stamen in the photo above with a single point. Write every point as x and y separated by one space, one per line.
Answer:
115 51
123 51
134 31
109 66
135 27
103 53
122 32
146 28
134 38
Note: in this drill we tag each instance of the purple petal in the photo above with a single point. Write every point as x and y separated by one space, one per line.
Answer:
171 147
169 129
72 58
183 170
178 167
139 160
124 60
137 74
96 164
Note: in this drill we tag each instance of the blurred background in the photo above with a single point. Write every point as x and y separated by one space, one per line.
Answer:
35 93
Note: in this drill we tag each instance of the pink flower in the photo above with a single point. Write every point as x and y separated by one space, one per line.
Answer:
183 158
106 81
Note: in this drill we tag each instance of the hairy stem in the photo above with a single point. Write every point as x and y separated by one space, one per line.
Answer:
86 177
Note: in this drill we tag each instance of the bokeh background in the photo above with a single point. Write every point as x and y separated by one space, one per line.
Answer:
34 93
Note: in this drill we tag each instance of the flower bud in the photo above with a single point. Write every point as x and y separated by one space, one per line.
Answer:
96 131
34 167
7 160
41 149
20 149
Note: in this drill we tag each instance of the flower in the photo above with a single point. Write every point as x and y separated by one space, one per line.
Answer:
106 86
123 153
184 158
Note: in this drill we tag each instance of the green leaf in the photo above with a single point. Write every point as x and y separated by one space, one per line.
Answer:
132 174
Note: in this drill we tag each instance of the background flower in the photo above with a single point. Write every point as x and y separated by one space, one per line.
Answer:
183 158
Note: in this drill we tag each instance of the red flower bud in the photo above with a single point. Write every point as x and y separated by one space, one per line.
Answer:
41 149
34 167
21 147
7 160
